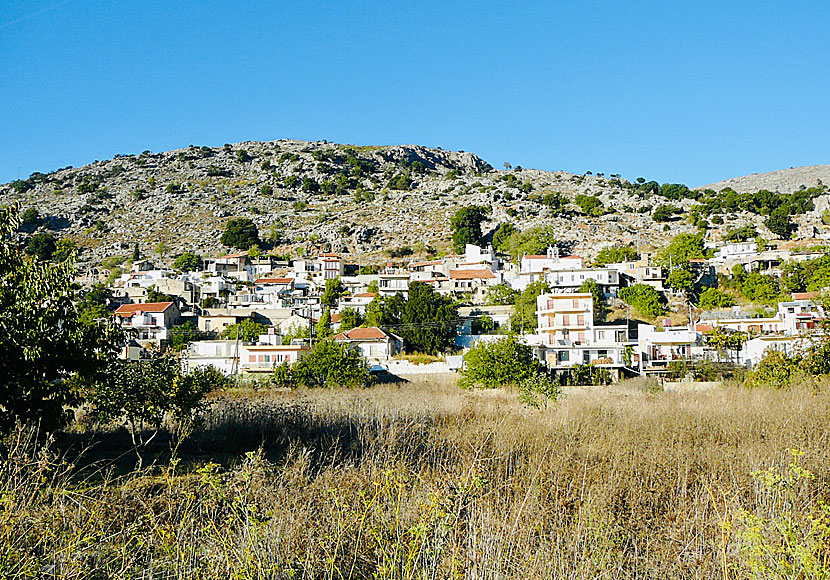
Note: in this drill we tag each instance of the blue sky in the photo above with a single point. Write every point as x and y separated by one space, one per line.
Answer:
680 92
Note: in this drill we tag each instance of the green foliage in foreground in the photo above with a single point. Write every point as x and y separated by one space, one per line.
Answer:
505 362
47 348
645 299
331 364
780 370
140 393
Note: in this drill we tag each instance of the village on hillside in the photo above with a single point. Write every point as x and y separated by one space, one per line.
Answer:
247 315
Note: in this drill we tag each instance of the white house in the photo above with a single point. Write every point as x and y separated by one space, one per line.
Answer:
657 348
373 343
149 321
548 261
567 333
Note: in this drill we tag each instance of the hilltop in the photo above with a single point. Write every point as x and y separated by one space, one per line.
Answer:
355 199
783 180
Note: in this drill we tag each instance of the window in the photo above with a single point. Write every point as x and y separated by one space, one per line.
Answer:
566 319
601 335
576 303
563 355
580 319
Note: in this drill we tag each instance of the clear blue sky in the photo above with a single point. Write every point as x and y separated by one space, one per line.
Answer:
689 92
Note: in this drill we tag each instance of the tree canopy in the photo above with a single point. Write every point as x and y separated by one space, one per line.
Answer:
188 262
240 233
466 226
645 299
500 363
615 254
426 321
331 364
47 348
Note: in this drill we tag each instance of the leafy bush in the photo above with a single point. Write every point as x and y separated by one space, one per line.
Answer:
645 299
747 232
712 298
590 204
42 246
505 362
539 388
615 254
665 213
466 226
188 262
240 233
330 364
247 330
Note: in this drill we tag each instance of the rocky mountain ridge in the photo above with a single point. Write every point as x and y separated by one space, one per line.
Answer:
307 196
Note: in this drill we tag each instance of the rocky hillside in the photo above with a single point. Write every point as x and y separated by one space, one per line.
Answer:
783 180
319 195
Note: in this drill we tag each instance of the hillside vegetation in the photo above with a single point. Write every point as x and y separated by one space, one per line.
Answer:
319 195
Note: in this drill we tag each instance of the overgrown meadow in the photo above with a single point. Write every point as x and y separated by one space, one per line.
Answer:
420 480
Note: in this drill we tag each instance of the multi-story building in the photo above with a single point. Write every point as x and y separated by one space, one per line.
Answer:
567 334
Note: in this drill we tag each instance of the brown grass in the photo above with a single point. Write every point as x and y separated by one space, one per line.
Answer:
427 481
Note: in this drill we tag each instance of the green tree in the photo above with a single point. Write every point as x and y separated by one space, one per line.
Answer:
747 232
350 318
47 350
323 328
665 213
331 364
240 233
780 224
505 362
681 249
501 295
247 329
94 305
188 262
334 290
183 334
466 226
501 239
680 279
42 246
429 321
523 319
600 302
712 299
154 295
534 241
373 287
142 392
590 204
64 249
759 288
616 254
645 299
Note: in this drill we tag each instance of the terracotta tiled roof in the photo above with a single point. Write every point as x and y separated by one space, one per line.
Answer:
535 256
365 295
232 256
330 256
572 257
471 274
130 309
274 281
700 327
420 264
371 333
805 295
335 318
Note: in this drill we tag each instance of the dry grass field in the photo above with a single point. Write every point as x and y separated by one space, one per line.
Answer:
429 481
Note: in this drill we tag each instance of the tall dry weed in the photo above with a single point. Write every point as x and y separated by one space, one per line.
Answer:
432 482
